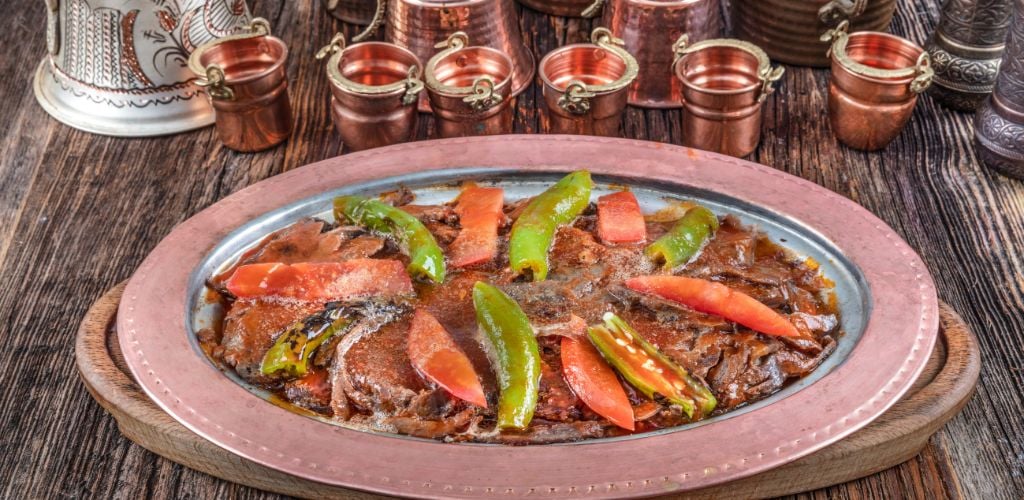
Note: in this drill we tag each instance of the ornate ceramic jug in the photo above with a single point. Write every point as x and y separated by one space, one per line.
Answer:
120 67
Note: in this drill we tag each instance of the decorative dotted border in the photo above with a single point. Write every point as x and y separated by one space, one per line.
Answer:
794 449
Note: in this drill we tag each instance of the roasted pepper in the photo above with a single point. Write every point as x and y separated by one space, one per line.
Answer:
426 258
647 369
321 281
516 352
534 230
291 352
593 380
438 358
715 298
480 215
685 239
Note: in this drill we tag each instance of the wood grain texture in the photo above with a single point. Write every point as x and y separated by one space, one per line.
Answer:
79 212
944 387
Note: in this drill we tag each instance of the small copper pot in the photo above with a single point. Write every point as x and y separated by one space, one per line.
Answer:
470 89
244 77
876 78
375 87
585 85
648 27
725 83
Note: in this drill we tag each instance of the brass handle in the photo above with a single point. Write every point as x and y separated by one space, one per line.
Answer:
925 73
337 44
378 19
215 84
836 35
576 98
592 10
838 11
483 96
413 86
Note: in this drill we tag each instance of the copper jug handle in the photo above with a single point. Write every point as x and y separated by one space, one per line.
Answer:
378 19
837 11
593 9
214 80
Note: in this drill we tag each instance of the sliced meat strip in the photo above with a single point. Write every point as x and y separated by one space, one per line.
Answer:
250 329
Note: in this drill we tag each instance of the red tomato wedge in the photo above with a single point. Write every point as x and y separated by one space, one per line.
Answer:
480 215
594 381
324 281
716 298
619 219
436 356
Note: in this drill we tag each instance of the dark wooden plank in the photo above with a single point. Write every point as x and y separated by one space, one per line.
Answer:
79 212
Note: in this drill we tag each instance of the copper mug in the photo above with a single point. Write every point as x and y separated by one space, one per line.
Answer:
375 87
244 77
470 89
420 25
585 85
725 83
648 27
876 78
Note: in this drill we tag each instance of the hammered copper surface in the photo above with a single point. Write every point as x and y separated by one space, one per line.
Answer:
868 112
999 124
374 116
257 115
649 28
789 30
420 25
880 368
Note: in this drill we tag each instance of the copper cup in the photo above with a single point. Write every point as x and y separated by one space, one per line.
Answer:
470 89
725 83
585 85
375 87
244 77
876 78
648 27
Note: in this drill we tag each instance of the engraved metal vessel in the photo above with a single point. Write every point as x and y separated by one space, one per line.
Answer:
120 67
999 123
966 49
788 30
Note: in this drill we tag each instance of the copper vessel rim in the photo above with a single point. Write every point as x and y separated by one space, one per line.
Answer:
259 27
340 81
838 53
763 63
601 39
456 43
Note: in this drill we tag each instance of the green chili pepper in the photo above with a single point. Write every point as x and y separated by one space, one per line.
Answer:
413 237
516 353
535 228
293 349
647 369
686 238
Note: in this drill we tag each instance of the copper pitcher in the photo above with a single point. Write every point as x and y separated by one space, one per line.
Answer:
876 78
470 89
420 25
585 85
648 27
375 87
725 83
244 77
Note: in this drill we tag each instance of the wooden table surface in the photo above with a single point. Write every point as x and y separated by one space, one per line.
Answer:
78 212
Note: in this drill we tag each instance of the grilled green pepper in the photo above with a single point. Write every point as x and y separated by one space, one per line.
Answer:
686 238
291 352
426 258
535 228
647 369
516 353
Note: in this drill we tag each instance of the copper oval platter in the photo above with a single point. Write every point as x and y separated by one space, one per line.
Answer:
886 296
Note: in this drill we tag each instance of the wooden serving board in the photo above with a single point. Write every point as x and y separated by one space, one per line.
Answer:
944 387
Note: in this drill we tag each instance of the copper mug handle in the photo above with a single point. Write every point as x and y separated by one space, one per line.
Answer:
577 94
378 19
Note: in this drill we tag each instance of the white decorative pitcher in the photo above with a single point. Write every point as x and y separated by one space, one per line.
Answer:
120 67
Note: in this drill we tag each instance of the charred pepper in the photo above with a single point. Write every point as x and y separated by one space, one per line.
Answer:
426 258
647 369
686 238
534 230
291 352
516 352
